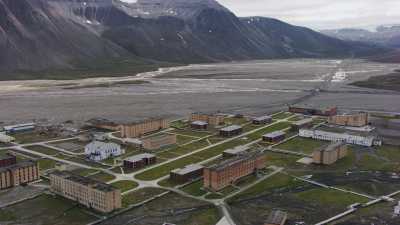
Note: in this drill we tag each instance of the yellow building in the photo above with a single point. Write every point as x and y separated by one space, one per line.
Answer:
138 129
328 155
212 119
353 120
88 192
19 173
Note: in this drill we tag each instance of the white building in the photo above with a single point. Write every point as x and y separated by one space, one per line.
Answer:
5 138
397 210
98 151
348 137
20 127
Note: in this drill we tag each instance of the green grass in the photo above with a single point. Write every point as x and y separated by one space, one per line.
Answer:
125 185
330 197
140 196
303 145
192 133
45 164
195 188
213 196
258 134
31 137
180 140
209 216
43 150
83 172
104 177
282 115
167 183
179 124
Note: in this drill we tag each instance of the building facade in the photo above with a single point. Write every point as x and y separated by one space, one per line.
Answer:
199 125
88 192
138 129
262 120
186 174
347 137
274 137
231 131
98 150
224 174
212 119
305 123
354 120
139 161
329 154
313 111
19 174
158 141
7 160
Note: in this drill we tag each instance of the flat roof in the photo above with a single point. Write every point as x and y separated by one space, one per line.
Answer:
139 157
331 146
276 217
140 121
85 181
262 118
236 150
274 134
199 123
303 121
336 129
19 165
231 128
234 161
19 125
188 169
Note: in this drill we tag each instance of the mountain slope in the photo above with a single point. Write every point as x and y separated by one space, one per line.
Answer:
45 34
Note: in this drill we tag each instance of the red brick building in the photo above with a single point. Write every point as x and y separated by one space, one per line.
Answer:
274 137
7 160
186 174
219 176
139 161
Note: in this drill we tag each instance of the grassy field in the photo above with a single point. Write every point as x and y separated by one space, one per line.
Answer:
46 210
101 176
258 134
303 145
140 196
195 188
42 149
31 137
330 197
45 164
125 185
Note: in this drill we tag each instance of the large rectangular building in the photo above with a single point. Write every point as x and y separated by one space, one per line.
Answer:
98 150
187 173
212 119
138 129
304 123
262 120
139 161
6 138
329 154
351 120
19 128
313 111
226 173
88 192
19 174
340 135
158 141
274 137
231 131
7 159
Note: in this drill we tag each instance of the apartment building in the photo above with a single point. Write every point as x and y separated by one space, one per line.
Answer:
158 141
88 192
138 129
19 174
274 137
262 120
231 131
212 119
7 159
139 161
351 120
224 174
187 173
304 123
329 154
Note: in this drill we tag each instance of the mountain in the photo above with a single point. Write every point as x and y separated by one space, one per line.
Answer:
70 34
385 35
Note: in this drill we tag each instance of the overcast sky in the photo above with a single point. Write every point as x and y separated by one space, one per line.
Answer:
320 14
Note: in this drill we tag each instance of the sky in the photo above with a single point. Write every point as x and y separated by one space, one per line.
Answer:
320 14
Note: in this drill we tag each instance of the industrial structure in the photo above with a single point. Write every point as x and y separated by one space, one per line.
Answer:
212 119
88 192
139 161
341 135
221 175
98 150
188 173
313 111
352 120
262 120
158 141
274 137
18 173
138 129
230 131
19 128
329 154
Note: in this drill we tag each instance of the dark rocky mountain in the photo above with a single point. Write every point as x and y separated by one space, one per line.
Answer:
47 34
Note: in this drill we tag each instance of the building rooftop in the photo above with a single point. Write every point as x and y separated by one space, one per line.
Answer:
100 145
19 165
85 181
233 161
188 169
140 121
274 134
19 125
330 147
336 129
261 118
231 128
276 217
199 123
237 150
139 157
5 155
